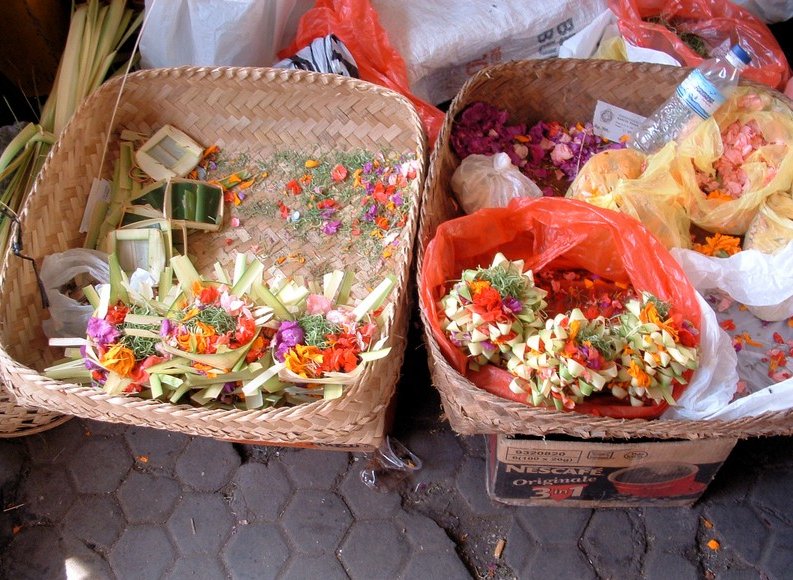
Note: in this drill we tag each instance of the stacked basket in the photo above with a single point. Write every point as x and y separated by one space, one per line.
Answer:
258 110
565 91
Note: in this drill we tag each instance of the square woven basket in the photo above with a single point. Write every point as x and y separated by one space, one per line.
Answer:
564 90
255 110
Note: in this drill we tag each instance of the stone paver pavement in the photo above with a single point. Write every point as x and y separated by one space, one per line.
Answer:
95 500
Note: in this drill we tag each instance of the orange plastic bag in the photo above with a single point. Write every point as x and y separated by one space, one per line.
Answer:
356 23
714 21
553 233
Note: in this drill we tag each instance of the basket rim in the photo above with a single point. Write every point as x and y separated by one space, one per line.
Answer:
16 373
543 419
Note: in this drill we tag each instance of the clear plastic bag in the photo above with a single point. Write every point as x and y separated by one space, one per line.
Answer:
490 181
68 316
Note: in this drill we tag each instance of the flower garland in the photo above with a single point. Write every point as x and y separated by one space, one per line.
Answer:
636 352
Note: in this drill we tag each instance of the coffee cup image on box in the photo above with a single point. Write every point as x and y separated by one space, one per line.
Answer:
657 479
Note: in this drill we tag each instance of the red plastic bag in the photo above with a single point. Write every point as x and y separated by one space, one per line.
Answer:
356 23
712 20
553 233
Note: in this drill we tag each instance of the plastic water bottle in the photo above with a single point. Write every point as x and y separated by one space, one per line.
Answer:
694 100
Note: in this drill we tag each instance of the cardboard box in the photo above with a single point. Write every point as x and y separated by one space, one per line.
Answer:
523 470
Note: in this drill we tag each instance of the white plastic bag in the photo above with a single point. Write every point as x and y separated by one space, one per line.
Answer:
69 318
490 181
746 276
763 282
592 40
214 32
444 42
713 384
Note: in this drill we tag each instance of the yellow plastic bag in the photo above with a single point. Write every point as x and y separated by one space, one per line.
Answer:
767 170
646 188
772 228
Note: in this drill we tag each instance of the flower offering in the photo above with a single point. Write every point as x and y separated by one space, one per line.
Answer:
603 339
491 309
230 343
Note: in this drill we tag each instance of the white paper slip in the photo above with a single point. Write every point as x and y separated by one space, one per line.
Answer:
613 122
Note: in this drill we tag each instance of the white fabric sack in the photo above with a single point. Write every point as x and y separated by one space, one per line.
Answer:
69 318
490 181
444 42
214 32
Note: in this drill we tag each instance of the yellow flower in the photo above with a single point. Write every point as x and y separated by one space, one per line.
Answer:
303 360
119 359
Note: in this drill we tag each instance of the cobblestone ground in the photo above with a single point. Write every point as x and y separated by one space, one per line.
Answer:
95 500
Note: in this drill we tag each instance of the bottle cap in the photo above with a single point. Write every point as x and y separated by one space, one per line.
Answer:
742 55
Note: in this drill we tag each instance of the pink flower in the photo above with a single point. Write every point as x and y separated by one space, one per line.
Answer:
561 153
317 304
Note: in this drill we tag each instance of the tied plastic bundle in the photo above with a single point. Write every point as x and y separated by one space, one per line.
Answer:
734 161
483 181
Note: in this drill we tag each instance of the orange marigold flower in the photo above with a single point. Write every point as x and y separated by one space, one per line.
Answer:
119 359
642 378
719 246
304 360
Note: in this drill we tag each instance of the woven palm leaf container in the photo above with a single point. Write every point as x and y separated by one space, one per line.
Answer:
256 111
18 421
564 90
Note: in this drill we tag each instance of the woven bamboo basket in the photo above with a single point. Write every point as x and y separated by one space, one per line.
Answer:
255 110
18 421
564 90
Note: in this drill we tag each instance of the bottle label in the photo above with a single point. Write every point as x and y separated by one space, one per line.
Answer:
699 94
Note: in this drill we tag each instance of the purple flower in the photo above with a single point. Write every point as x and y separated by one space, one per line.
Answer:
512 304
102 331
397 199
367 167
370 213
331 227
241 195
229 387
165 327
89 364
327 213
289 334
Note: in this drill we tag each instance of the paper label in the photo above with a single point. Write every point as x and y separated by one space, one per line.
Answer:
613 123
699 94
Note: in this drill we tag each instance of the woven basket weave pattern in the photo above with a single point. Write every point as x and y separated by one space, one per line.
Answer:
260 111
565 91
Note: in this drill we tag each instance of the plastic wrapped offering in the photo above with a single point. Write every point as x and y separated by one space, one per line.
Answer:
490 181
